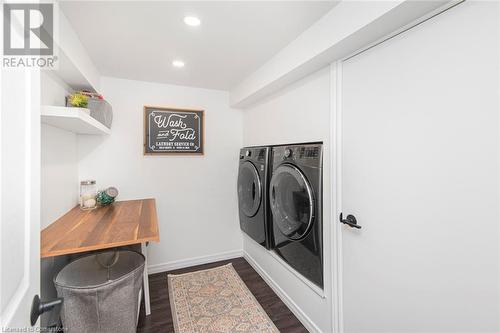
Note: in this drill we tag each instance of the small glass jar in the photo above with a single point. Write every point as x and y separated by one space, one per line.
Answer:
88 192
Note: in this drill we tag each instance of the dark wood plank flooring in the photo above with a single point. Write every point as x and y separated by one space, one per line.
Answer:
160 319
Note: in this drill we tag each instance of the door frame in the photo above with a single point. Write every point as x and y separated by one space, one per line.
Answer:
16 311
336 162
336 194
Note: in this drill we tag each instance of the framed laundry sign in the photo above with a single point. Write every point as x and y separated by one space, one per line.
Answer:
173 131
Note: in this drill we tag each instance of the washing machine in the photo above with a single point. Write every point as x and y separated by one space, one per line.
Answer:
253 204
295 195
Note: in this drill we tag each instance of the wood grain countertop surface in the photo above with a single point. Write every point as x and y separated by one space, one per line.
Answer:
119 224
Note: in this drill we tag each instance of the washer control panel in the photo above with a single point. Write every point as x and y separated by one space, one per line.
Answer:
259 154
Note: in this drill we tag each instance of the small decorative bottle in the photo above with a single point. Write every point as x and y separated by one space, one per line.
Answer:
107 196
88 192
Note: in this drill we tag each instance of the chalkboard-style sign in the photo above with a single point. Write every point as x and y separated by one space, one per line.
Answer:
173 131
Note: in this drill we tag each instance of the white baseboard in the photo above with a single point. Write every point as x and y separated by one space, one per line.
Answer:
296 310
183 263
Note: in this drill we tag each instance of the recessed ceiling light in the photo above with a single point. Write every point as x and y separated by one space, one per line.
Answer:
178 63
192 21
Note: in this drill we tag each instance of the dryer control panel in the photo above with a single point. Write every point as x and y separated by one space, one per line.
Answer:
302 154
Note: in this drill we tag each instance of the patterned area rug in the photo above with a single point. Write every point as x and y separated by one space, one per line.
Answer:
215 300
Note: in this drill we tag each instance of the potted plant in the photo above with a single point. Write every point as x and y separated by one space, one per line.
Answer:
78 100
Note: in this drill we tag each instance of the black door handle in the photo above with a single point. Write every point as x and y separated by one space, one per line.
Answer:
350 220
38 307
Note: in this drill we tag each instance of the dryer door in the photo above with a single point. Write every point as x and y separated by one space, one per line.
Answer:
292 202
249 189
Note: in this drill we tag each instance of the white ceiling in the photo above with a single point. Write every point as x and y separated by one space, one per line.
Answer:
138 40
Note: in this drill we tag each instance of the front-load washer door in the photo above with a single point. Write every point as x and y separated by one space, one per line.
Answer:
292 202
249 189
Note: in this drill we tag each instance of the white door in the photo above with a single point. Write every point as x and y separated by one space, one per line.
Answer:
19 204
420 172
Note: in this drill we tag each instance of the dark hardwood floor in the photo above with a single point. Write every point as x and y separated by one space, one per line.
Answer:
160 319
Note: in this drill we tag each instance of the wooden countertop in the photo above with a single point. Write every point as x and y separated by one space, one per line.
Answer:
119 224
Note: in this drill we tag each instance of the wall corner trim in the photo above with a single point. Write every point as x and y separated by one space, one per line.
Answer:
296 310
183 263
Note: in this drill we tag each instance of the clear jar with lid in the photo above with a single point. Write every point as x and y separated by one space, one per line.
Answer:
88 193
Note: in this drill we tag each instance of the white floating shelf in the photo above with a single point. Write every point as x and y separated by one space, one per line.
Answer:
77 120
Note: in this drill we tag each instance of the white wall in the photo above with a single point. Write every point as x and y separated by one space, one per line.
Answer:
195 195
347 27
59 171
59 176
75 65
298 113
